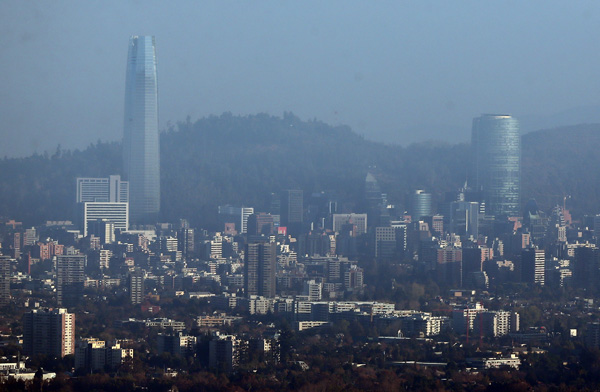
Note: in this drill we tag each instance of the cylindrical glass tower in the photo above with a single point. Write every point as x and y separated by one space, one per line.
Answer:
496 145
420 205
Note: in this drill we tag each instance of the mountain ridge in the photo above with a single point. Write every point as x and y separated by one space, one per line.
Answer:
239 160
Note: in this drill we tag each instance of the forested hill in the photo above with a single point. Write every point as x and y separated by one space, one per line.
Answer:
243 159
561 162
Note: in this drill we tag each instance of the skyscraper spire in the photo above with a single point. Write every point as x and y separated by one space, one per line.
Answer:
141 161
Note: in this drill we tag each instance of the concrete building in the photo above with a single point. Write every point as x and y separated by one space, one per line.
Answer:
49 332
313 289
115 213
224 353
4 280
176 344
533 266
359 221
354 278
292 207
104 190
385 242
185 241
236 215
136 286
70 278
260 261
94 355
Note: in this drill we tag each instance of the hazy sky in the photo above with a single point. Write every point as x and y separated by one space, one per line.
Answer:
394 71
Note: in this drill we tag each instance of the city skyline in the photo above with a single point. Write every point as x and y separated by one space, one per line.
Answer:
248 239
333 64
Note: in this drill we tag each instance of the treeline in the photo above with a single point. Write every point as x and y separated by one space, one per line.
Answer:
243 159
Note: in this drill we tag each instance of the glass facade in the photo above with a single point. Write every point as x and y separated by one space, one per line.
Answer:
496 144
141 160
420 205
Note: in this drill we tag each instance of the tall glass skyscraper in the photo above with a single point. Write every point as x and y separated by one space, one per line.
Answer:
496 145
141 160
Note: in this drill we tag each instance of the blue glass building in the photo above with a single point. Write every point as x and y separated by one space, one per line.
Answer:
141 160
420 205
496 144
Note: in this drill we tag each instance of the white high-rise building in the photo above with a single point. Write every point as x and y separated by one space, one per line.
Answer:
141 158
116 213
111 189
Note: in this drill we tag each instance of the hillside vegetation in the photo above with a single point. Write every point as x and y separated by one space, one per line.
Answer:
243 159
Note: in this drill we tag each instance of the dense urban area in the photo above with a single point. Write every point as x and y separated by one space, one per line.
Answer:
304 294
310 263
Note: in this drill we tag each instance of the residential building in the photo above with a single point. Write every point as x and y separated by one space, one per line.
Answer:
176 344
224 353
5 280
260 261
136 286
49 332
533 266
94 355
70 278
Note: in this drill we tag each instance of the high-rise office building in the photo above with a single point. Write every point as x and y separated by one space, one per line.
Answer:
49 332
70 278
496 145
103 206
292 210
185 241
385 242
115 213
111 189
260 261
141 160
376 202
463 217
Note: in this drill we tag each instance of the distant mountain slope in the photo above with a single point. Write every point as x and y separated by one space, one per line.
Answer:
42 187
576 115
243 159
563 161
